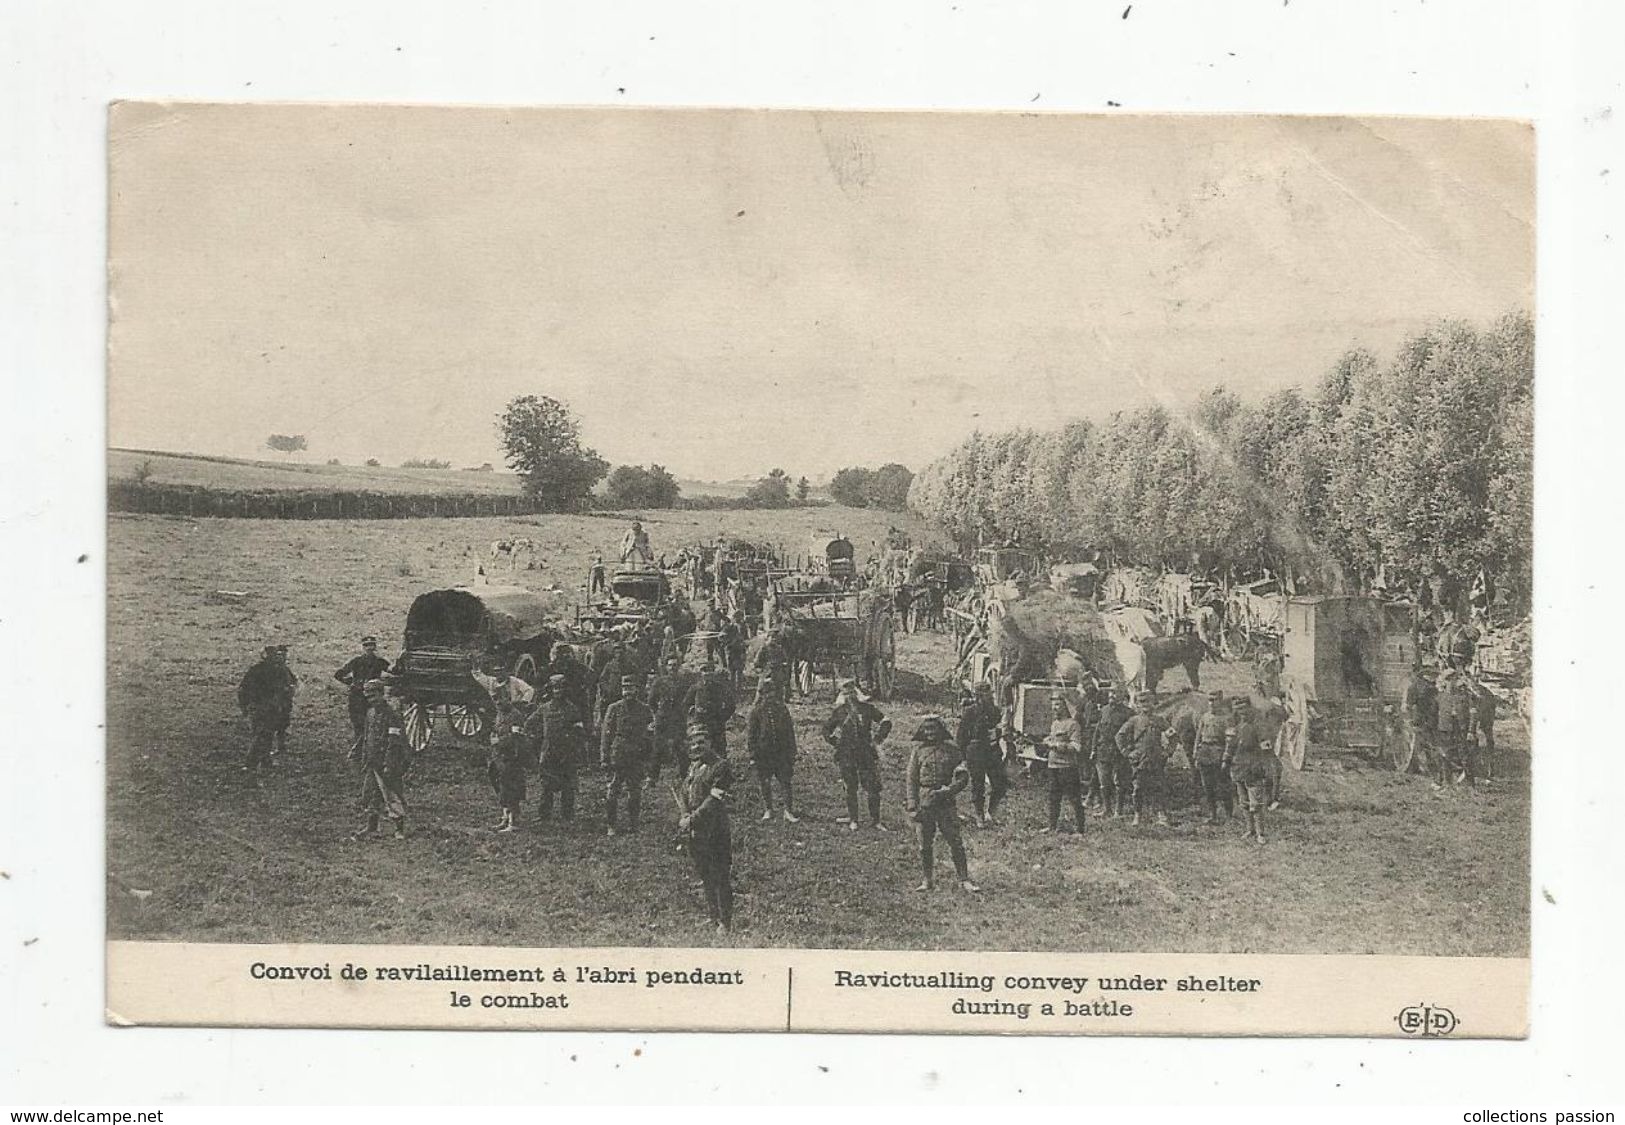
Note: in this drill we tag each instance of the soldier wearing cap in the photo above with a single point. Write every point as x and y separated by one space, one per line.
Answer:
1453 726
1140 742
385 759
625 749
1064 761
980 721
666 694
577 686
705 827
611 675
265 696
1207 756
936 774
771 742
1252 767
772 662
561 732
854 729
711 702
354 675
505 767
1113 779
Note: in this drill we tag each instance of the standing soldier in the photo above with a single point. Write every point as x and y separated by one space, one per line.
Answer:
773 662
265 697
666 694
354 675
1252 767
711 702
577 686
1140 743
902 602
1420 705
855 729
1454 725
1207 757
705 826
505 767
733 647
625 750
979 743
597 577
610 676
1064 760
936 774
385 758
1112 777
771 742
563 745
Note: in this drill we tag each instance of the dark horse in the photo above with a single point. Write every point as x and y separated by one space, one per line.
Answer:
1162 653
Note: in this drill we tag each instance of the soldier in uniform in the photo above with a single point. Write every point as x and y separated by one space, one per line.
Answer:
1207 756
385 759
1251 765
576 688
1063 761
1419 704
505 767
1113 780
354 675
705 826
1140 743
773 662
854 729
666 694
625 749
771 742
562 744
610 676
265 697
936 774
711 702
980 722
597 577
1454 725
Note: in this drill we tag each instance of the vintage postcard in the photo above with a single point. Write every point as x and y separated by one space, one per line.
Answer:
819 571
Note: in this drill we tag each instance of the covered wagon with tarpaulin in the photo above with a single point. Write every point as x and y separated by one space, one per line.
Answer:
845 633
635 594
452 633
1345 661
1000 564
833 555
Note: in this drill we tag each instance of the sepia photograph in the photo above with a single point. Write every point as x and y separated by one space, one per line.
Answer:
775 529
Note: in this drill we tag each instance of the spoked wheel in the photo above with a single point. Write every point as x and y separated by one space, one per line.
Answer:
525 669
1292 741
1402 749
885 663
465 720
418 727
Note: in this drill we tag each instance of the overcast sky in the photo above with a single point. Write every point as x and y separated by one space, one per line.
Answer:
725 292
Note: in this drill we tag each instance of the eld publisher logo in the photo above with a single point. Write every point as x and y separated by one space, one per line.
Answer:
1426 1020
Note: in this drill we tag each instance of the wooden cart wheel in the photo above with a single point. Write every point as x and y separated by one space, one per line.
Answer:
525 669
466 721
885 662
1402 749
418 728
1292 741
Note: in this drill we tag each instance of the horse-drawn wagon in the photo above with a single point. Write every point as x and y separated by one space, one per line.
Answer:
835 556
452 633
846 632
635 593
1345 660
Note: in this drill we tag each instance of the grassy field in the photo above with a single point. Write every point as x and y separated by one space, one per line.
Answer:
233 474
1359 861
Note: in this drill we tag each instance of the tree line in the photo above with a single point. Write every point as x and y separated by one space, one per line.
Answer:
886 487
1417 468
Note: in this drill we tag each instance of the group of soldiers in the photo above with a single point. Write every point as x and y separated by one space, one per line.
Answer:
1110 754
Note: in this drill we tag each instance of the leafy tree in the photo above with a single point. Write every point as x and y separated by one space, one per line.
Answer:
372 462
542 440
851 487
888 487
803 487
772 491
286 443
631 486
